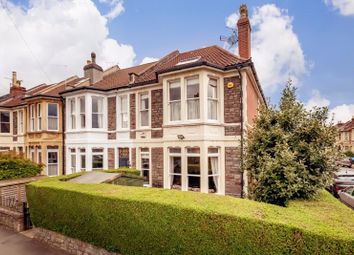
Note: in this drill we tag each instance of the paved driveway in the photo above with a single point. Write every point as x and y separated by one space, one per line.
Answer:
12 243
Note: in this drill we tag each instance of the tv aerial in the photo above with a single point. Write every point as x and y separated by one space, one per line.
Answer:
230 40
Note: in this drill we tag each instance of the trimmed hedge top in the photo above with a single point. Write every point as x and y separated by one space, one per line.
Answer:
14 167
135 220
124 170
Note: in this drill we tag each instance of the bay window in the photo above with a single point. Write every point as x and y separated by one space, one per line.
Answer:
53 117
124 111
145 165
72 113
32 118
175 100
39 156
20 122
144 109
52 162
213 169
97 112
97 158
5 122
193 104
193 169
175 168
82 112
212 99
73 160
39 117
82 159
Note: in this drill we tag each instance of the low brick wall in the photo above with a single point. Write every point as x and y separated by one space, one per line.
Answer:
11 219
68 244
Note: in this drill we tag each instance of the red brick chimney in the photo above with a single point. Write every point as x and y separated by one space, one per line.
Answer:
16 88
244 33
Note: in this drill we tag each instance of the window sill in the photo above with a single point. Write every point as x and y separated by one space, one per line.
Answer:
199 123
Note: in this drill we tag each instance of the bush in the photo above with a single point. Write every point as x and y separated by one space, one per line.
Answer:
349 154
124 170
291 152
13 167
132 220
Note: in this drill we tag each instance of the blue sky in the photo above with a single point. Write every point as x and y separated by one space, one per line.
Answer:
324 30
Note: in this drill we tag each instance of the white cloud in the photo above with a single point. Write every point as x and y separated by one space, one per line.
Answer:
148 60
231 20
276 50
116 8
316 100
340 113
345 7
60 35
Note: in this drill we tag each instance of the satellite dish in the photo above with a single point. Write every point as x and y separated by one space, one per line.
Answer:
230 40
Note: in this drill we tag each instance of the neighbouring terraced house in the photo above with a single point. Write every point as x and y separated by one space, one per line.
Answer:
180 120
345 138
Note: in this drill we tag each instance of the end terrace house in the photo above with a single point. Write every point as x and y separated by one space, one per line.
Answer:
31 123
180 120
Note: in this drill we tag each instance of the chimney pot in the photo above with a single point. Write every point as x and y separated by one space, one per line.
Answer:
93 57
14 78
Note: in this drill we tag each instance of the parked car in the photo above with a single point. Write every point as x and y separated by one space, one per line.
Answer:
347 196
342 179
348 162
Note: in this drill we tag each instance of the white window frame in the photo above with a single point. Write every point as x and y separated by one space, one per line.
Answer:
171 102
20 122
95 154
82 112
170 166
144 154
48 164
195 77
73 166
213 98
123 113
52 117
98 113
9 123
32 118
82 152
72 112
39 117
215 155
190 154
141 95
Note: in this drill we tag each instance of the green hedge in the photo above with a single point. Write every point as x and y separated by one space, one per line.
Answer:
124 170
13 167
133 220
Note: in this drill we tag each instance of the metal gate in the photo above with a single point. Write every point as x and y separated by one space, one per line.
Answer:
27 223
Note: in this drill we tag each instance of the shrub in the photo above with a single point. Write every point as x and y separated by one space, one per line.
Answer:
291 151
13 167
132 220
349 154
124 170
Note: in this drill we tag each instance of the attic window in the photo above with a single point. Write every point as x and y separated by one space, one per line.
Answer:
188 61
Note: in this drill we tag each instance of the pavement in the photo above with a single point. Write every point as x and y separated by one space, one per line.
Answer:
13 243
95 177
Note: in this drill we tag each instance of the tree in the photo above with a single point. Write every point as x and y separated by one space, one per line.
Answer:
291 151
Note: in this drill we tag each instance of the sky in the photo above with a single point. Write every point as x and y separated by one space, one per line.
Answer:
311 42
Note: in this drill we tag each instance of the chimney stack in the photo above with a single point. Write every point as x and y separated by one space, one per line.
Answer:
93 71
244 33
16 88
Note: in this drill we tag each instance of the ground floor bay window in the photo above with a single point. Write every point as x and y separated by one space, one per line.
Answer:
193 169
97 158
73 160
52 162
145 165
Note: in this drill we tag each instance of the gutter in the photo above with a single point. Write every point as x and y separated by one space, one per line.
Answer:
241 85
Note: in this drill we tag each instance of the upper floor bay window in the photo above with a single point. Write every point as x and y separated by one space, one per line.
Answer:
124 111
97 112
82 112
53 117
39 117
144 109
20 122
175 100
212 99
193 98
32 118
4 122
72 113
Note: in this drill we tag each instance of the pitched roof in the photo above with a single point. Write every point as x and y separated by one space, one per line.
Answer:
347 126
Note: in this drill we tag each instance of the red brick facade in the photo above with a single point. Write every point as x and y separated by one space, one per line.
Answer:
112 117
157 167
132 116
157 113
232 171
232 106
111 158
133 163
